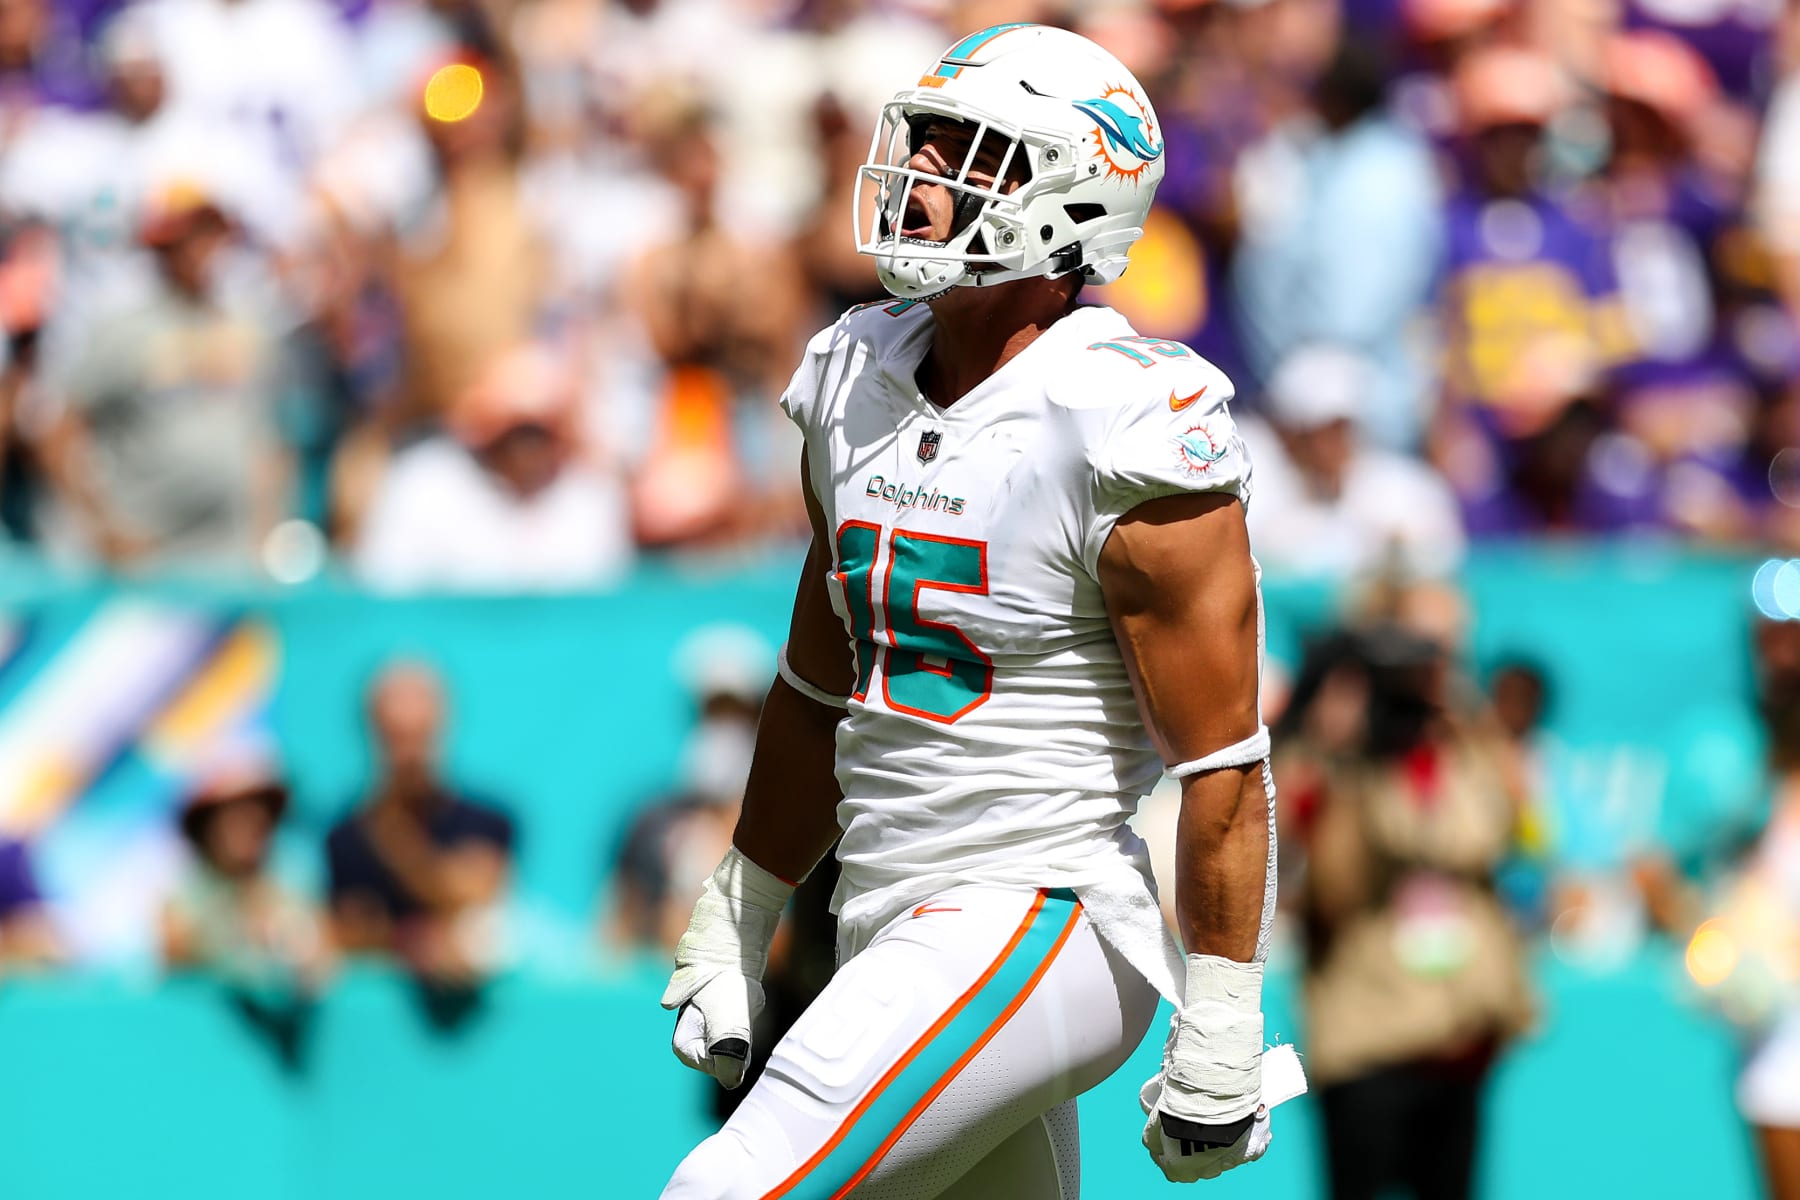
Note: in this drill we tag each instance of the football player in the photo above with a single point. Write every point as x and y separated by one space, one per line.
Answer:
1029 519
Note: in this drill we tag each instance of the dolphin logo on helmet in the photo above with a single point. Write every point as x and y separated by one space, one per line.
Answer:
1122 130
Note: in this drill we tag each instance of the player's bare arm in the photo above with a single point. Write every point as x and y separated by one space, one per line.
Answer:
788 824
789 819
1181 591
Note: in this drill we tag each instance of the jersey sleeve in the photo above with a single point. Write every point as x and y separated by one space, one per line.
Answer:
864 326
1171 433
800 400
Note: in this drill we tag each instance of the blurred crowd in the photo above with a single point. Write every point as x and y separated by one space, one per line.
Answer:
414 873
492 294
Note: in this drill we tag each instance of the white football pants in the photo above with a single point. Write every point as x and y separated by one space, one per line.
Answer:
942 1061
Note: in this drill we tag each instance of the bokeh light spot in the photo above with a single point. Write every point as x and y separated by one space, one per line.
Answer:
1786 589
1762 589
1711 955
453 93
294 551
1784 477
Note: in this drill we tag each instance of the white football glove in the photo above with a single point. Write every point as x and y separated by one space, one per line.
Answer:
717 984
1208 1108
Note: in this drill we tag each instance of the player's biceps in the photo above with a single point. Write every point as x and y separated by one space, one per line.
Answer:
818 649
1194 673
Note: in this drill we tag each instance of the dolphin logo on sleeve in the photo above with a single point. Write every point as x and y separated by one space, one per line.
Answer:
1197 450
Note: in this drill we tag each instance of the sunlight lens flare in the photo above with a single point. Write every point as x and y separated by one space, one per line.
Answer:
1712 955
453 93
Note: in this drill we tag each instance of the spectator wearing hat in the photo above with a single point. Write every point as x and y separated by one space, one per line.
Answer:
27 936
418 871
663 860
506 501
230 914
166 451
1328 505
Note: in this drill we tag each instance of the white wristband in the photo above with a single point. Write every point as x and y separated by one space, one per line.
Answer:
1252 749
817 695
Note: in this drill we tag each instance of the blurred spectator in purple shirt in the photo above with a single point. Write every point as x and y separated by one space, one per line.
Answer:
1736 38
1528 306
1683 407
27 937
42 63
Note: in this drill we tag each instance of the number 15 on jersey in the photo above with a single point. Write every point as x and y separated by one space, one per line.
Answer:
929 669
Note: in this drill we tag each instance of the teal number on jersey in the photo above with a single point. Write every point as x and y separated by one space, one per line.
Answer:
1160 346
856 543
933 670
929 668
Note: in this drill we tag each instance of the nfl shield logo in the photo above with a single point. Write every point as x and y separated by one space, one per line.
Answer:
928 445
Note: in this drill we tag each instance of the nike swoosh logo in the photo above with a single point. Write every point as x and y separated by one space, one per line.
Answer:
929 907
1176 404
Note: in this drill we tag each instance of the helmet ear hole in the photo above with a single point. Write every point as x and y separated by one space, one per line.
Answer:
1081 214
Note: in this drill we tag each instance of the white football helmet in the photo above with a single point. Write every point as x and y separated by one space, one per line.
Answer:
1091 145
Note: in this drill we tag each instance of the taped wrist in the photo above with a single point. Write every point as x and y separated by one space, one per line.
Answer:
742 882
733 923
1214 1072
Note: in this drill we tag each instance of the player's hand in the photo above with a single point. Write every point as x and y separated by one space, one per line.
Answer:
1185 1160
1187 1150
717 985
712 1028
1207 1110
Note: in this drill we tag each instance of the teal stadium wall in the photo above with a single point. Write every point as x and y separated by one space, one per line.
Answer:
115 1084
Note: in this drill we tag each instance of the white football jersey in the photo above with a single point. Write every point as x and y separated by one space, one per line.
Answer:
993 734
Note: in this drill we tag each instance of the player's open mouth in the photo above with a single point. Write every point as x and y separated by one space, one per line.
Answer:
920 232
916 223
